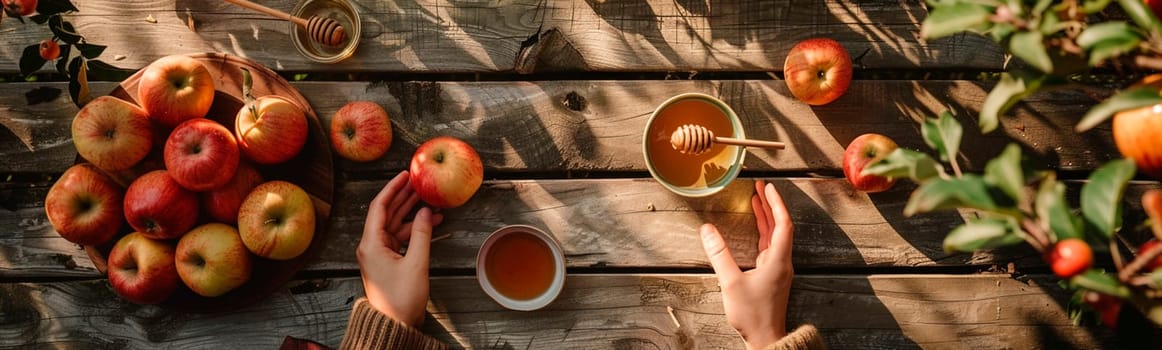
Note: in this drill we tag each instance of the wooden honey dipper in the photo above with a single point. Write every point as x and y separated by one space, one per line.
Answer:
696 139
326 31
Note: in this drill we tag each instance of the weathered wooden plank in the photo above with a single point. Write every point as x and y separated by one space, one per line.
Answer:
596 126
629 223
528 35
594 311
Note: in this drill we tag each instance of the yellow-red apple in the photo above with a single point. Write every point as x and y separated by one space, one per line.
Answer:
867 149
174 89
112 134
142 270
446 172
271 129
160 208
201 154
222 203
212 260
277 220
361 131
817 71
84 206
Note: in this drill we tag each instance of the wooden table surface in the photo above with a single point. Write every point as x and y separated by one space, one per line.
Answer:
554 95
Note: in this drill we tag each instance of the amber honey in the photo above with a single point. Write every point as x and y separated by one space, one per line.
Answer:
684 170
520 266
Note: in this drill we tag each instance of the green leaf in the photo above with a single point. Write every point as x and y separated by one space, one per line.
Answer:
30 60
1141 14
1040 7
52 7
1101 197
1099 281
62 63
39 19
1094 6
1028 46
90 50
943 21
982 234
1105 51
1106 31
943 134
1054 212
1156 279
1005 173
969 191
906 163
1011 89
99 70
63 30
1126 99
1002 31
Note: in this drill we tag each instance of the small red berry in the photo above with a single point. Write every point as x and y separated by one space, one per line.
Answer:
1107 307
1070 257
1148 246
49 50
21 7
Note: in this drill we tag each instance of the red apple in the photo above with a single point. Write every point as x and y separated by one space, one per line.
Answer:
446 172
222 203
49 49
21 7
160 208
142 270
817 71
212 260
1155 7
271 129
361 131
277 220
112 134
175 89
84 206
201 154
867 149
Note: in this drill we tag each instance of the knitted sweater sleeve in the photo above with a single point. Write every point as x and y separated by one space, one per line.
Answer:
367 328
806 337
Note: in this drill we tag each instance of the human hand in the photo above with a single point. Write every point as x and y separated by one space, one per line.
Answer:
756 301
396 285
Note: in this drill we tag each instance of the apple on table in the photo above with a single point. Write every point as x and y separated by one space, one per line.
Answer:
174 89
361 131
201 154
446 171
84 206
158 207
817 71
864 150
212 260
271 129
143 270
277 220
112 134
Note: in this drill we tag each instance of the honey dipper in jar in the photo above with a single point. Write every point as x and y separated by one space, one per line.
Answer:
326 31
695 139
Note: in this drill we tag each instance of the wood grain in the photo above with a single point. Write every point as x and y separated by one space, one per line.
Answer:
594 311
626 223
596 126
528 35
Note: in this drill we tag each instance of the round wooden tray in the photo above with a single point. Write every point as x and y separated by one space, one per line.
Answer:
311 169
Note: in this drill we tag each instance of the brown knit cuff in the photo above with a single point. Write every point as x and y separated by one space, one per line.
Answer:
369 329
806 337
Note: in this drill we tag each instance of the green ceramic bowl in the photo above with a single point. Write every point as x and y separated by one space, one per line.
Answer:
731 172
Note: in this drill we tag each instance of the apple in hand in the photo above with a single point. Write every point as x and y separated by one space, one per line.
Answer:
446 172
864 150
817 71
222 203
271 129
361 131
174 89
212 260
201 154
277 220
142 270
160 208
112 134
84 206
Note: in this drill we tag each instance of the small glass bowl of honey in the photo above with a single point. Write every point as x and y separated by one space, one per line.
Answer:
521 267
690 175
341 11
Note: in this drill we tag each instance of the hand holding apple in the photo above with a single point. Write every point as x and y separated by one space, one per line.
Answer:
446 172
277 220
112 134
201 154
271 129
817 71
158 207
360 131
864 150
142 270
212 260
84 206
174 89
